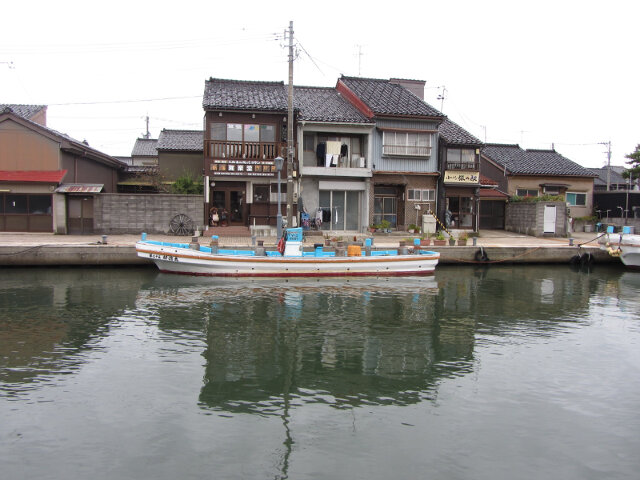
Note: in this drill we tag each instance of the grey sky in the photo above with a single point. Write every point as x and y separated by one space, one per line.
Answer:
533 73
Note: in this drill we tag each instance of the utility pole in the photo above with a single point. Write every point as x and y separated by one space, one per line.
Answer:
608 145
441 97
290 139
147 135
359 54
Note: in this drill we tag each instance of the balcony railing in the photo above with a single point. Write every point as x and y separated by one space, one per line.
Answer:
408 150
462 166
246 150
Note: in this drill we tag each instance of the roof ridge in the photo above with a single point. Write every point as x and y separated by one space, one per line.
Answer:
261 82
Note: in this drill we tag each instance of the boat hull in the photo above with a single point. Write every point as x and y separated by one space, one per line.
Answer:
625 246
186 261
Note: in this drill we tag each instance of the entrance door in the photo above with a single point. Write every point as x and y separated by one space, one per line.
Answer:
80 215
230 202
492 214
549 219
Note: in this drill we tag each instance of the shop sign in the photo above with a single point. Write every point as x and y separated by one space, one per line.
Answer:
243 168
453 176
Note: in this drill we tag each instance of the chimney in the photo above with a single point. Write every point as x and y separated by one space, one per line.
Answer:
414 86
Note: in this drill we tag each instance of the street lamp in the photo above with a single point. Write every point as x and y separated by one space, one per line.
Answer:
279 161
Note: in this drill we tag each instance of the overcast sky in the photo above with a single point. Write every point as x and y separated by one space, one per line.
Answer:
533 73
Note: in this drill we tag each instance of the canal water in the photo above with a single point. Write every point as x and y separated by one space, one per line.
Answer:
476 373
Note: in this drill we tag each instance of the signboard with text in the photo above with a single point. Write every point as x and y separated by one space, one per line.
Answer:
457 176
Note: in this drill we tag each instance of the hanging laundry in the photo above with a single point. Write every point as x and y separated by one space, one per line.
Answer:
318 221
321 150
344 150
326 215
328 158
334 148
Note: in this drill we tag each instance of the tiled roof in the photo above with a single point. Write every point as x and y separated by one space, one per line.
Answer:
320 104
614 176
454 134
55 176
181 140
386 98
145 147
533 162
492 193
244 95
25 111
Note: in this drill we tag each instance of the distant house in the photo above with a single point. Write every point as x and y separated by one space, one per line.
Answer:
145 152
180 152
404 150
523 173
35 113
611 178
48 180
459 190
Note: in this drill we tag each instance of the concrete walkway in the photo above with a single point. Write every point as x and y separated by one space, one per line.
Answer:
487 238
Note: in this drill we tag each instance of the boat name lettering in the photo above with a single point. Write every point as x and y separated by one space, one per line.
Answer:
169 258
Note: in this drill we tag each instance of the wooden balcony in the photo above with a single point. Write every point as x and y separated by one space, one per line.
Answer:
245 150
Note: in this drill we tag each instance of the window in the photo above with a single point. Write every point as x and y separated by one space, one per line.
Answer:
421 195
576 199
261 193
406 143
524 192
238 132
459 158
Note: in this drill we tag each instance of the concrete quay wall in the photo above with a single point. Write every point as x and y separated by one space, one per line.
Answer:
104 255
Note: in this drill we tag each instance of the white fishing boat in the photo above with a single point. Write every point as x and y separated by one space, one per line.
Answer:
624 245
290 260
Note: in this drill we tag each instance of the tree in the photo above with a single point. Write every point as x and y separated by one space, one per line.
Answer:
634 162
187 184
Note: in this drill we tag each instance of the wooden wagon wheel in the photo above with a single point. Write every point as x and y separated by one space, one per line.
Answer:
181 224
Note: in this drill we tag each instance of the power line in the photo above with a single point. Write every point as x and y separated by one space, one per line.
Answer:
111 102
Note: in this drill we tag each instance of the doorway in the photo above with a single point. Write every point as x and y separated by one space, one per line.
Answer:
80 215
230 202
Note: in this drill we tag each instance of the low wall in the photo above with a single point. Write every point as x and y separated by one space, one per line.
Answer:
117 213
528 218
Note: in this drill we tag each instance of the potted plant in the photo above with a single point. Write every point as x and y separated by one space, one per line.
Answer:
462 239
385 225
452 241
373 227
439 240
425 241
413 228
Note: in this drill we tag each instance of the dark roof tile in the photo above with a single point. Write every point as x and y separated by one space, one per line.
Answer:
25 111
145 147
386 98
533 162
221 94
321 104
181 140
454 134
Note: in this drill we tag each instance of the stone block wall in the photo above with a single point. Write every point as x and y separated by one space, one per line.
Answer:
116 213
528 218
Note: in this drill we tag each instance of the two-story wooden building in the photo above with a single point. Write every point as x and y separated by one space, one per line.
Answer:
48 180
404 148
459 185
245 130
